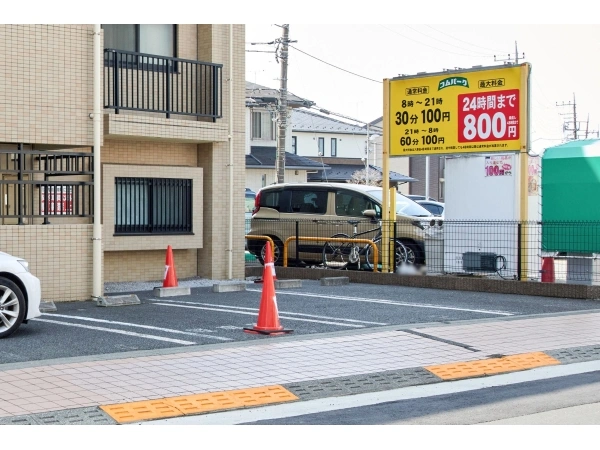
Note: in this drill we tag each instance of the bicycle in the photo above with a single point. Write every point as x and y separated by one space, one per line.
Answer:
338 255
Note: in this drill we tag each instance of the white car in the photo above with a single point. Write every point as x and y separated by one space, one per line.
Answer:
435 208
20 294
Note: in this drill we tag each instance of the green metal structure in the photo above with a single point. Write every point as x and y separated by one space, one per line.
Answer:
571 197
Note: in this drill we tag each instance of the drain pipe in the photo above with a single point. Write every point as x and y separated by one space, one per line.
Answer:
97 291
230 137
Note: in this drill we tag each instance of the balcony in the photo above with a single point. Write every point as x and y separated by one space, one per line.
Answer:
159 84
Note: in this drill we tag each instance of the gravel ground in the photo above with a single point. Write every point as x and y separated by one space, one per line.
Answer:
150 285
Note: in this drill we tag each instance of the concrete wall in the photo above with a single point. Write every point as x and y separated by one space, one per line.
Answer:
254 177
348 145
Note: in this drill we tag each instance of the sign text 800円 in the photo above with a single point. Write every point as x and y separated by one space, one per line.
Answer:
493 116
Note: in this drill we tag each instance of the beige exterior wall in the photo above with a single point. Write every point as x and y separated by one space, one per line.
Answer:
148 265
214 257
132 126
46 84
59 255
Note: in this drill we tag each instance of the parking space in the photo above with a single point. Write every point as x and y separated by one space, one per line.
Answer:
208 318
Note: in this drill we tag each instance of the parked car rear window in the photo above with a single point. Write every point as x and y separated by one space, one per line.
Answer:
270 199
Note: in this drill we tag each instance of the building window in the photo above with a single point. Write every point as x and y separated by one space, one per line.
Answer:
321 146
152 39
153 206
333 147
294 145
263 125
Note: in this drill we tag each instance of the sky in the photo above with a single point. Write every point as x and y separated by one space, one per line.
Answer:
563 57
368 42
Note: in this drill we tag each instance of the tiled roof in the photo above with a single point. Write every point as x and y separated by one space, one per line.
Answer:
304 120
343 172
255 93
266 157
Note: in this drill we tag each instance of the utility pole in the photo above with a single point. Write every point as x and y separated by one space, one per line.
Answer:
280 162
587 129
509 60
575 128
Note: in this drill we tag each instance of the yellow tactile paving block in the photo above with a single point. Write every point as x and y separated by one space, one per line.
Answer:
492 366
144 410
196 404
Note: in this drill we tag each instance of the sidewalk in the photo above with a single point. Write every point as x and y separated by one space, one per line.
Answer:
141 386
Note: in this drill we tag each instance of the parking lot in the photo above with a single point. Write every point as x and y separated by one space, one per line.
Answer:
208 318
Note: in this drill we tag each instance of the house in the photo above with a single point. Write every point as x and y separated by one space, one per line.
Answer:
319 147
315 134
340 145
340 170
169 161
415 167
261 139
261 171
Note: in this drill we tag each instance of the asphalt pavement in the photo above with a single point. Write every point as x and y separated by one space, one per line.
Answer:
183 357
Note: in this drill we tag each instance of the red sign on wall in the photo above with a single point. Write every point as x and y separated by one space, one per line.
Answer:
488 116
56 200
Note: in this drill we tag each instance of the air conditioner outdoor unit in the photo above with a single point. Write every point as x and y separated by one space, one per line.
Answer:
479 262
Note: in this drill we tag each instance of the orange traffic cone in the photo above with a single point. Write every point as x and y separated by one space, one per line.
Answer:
269 263
268 316
548 270
170 279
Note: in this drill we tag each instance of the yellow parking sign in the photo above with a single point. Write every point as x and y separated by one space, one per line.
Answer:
479 110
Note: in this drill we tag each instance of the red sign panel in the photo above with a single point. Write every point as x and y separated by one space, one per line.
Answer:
489 116
56 200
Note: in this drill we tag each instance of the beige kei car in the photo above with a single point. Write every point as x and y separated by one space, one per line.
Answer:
323 210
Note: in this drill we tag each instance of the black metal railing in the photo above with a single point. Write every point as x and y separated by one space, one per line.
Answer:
142 82
44 184
153 205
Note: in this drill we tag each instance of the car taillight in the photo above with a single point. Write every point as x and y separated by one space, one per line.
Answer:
256 203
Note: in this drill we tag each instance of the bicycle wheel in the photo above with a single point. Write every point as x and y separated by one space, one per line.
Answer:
336 254
401 253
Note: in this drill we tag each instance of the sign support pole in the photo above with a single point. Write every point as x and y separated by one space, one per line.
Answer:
385 214
524 171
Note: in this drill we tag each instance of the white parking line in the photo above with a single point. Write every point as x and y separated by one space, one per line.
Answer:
148 327
175 305
281 312
390 302
112 330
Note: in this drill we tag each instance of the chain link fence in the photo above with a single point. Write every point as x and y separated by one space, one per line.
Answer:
557 252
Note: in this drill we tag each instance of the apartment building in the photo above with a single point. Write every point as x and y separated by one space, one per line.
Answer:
171 152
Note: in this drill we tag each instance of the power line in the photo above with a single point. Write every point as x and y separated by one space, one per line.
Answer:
445 42
460 40
436 48
332 65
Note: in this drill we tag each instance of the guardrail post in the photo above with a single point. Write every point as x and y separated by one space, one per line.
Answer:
297 243
519 250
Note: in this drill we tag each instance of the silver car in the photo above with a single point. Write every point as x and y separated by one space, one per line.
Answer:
324 209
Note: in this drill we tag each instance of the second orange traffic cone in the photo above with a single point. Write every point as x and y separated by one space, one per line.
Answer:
170 278
268 315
